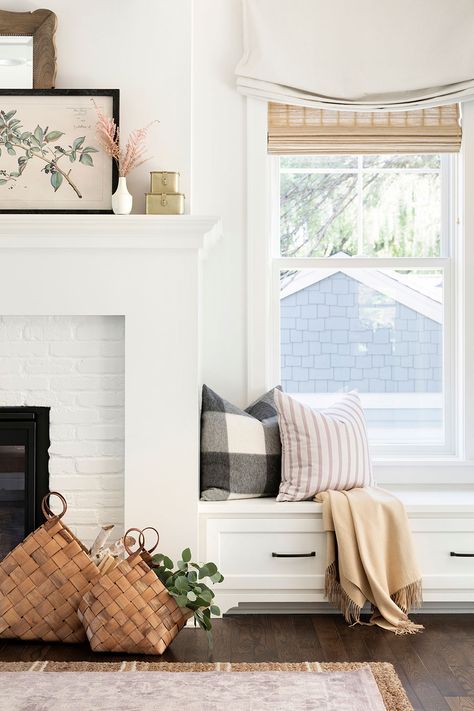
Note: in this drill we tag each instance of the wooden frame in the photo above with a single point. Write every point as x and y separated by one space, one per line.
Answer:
41 25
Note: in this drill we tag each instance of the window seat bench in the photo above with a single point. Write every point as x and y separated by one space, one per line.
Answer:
273 553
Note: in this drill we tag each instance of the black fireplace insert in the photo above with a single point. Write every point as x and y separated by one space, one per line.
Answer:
24 477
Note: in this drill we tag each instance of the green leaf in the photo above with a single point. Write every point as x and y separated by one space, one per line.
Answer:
215 610
186 555
11 151
77 143
192 576
3 181
26 135
38 134
157 558
72 156
9 115
89 149
14 174
192 597
56 181
212 568
181 600
182 565
217 577
203 572
86 160
167 562
53 136
182 584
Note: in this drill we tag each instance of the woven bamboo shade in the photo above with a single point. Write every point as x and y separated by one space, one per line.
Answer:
297 129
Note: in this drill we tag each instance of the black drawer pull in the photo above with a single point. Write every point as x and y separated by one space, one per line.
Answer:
294 555
461 555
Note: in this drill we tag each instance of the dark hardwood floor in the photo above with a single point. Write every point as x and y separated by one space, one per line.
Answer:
435 667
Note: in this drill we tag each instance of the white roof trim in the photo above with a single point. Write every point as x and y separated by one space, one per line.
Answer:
385 281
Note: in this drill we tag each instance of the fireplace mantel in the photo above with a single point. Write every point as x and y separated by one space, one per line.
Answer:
25 231
147 269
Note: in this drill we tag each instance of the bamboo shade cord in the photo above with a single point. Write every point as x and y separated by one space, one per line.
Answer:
302 130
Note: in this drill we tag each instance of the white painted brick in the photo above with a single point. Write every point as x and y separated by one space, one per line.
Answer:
67 483
101 329
101 399
108 499
11 399
11 329
20 349
20 382
87 382
62 432
81 349
109 414
61 466
88 516
75 365
101 365
48 329
100 432
75 415
49 366
112 482
49 398
85 449
102 465
9 366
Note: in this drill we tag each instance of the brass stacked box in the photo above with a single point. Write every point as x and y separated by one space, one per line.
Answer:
164 197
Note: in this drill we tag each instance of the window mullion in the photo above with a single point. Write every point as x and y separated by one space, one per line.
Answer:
360 206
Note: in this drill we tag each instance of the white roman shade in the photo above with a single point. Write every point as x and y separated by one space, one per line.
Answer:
365 56
297 129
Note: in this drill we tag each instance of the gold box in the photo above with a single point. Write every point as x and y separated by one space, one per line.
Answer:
164 204
164 182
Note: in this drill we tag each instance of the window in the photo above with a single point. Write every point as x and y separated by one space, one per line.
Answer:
363 289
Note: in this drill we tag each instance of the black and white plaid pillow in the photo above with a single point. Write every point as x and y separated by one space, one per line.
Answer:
240 449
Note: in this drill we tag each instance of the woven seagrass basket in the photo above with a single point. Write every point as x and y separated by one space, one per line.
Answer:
42 581
128 609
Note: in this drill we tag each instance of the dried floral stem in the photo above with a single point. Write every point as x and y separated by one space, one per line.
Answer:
108 135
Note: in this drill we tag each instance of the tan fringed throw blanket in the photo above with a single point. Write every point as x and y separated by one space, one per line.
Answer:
370 557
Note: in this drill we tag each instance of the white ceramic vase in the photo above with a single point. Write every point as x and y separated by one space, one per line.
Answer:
122 201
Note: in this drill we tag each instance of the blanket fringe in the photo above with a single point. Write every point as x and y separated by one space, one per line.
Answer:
406 598
338 597
409 597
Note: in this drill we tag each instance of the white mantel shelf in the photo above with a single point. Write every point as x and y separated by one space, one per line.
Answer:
25 231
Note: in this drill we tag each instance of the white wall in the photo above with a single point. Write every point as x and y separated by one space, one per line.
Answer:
143 48
218 183
175 61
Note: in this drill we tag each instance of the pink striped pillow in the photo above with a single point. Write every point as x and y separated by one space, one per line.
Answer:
322 449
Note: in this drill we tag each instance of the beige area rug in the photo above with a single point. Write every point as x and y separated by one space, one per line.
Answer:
373 686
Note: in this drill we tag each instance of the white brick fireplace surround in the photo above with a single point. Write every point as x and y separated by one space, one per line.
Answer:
93 308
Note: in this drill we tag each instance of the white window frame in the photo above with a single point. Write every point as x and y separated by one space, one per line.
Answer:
428 465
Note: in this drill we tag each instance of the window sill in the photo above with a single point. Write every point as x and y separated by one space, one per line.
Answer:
437 471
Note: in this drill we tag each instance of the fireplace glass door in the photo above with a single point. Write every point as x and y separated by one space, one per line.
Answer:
23 472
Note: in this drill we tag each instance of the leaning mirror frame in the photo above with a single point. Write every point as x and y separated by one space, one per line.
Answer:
41 25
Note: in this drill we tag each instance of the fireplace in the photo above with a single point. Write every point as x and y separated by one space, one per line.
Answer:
24 478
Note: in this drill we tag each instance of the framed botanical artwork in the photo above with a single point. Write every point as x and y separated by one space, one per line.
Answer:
50 160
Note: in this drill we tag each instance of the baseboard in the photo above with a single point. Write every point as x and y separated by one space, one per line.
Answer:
321 608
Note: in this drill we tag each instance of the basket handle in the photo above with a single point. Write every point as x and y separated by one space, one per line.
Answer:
141 540
45 507
150 528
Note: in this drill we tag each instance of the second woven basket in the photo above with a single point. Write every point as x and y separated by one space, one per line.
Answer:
128 609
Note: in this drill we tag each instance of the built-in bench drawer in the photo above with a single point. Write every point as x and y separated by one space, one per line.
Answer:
268 553
435 540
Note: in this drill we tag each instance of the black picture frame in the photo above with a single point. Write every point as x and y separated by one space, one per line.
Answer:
115 95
